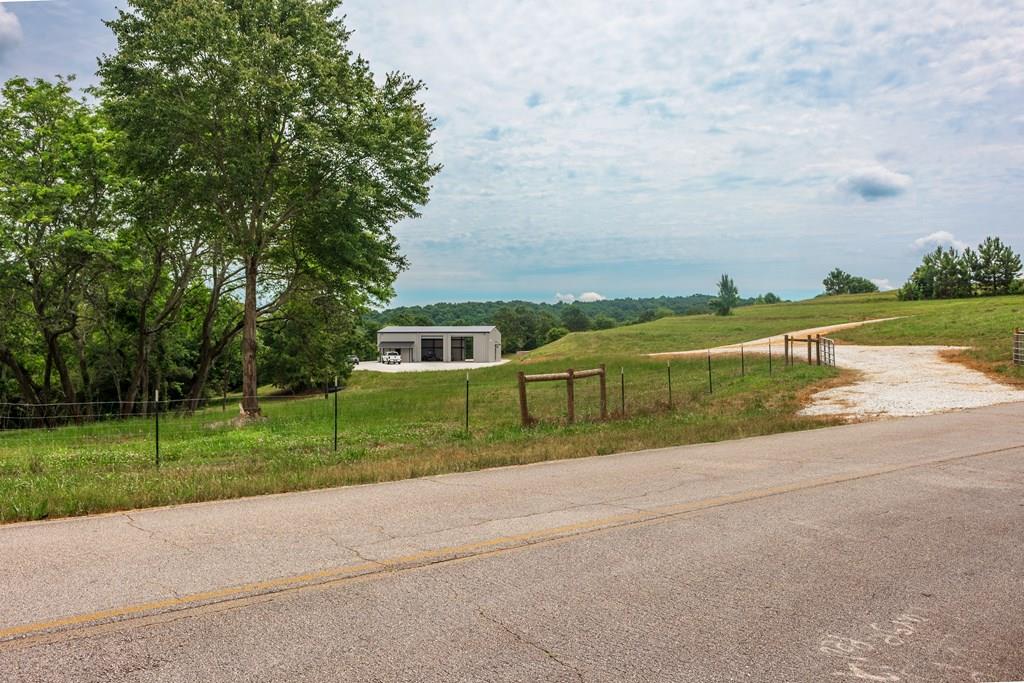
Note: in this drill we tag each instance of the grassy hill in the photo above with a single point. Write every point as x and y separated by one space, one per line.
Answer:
409 425
984 324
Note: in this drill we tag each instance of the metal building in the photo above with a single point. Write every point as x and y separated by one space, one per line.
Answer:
442 344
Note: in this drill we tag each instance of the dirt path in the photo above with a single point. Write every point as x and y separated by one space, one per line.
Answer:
893 381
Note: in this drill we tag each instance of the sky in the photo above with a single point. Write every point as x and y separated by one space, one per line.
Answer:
608 149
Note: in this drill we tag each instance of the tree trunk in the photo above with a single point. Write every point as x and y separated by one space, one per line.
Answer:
66 384
29 392
250 402
145 390
138 370
83 370
210 349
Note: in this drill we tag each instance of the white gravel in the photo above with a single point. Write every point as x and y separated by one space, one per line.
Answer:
906 380
376 366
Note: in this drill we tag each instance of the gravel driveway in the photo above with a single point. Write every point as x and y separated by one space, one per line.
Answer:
895 381
907 380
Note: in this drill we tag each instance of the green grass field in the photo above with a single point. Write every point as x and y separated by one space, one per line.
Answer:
407 425
985 324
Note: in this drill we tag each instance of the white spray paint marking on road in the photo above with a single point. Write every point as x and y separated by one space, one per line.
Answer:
865 656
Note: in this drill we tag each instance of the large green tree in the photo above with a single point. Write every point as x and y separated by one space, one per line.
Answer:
276 137
54 228
993 267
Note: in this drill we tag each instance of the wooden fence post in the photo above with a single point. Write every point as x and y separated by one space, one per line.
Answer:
570 396
524 414
817 351
785 352
808 349
604 394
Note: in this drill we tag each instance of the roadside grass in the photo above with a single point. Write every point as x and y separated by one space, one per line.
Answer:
391 426
396 426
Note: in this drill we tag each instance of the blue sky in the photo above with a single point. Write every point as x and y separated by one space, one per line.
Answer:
639 149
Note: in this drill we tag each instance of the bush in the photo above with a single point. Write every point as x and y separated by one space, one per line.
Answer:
555 333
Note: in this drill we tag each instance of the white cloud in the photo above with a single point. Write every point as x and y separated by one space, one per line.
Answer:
605 157
10 30
565 298
591 296
875 182
937 239
883 284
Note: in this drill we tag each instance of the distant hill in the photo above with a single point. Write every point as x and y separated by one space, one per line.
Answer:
622 311
526 325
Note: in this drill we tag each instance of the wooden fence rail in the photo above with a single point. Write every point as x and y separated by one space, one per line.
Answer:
820 350
569 377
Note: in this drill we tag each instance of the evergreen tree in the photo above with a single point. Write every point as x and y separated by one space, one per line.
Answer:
728 296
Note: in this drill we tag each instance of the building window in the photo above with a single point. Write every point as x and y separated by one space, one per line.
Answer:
462 348
431 349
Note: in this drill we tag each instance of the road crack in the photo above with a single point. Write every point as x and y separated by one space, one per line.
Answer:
156 535
523 640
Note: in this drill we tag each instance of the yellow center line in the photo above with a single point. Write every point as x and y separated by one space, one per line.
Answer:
448 553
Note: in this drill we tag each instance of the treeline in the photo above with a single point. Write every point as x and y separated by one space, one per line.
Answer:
526 325
991 270
222 202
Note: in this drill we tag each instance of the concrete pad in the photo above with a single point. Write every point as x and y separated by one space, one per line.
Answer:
377 366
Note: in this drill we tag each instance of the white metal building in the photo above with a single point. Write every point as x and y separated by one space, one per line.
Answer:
469 343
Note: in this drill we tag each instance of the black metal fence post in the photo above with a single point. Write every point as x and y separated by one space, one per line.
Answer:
467 404
743 363
769 356
335 414
156 414
711 384
622 389
668 365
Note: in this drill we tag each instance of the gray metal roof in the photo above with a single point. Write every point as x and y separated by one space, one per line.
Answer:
441 329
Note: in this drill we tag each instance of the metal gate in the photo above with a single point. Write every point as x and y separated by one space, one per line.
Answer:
820 350
1018 346
828 352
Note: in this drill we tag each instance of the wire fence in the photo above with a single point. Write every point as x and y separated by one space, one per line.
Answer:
362 419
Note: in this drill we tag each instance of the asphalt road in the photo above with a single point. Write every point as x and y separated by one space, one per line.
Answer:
887 551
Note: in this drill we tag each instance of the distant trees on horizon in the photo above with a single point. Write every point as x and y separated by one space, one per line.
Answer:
841 282
945 273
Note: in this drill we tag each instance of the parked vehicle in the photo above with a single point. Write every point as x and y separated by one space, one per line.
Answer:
391 358
353 360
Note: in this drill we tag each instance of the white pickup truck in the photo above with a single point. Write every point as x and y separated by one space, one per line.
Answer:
391 358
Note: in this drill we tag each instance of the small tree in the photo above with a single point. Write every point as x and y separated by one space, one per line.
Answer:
993 267
841 282
575 319
647 315
603 322
728 296
554 334
943 274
